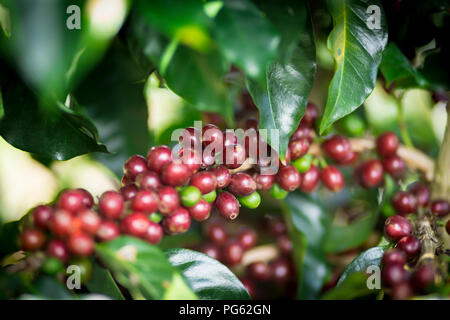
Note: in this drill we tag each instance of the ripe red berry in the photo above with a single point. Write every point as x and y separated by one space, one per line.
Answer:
134 166
394 165
223 176
178 222
227 205
157 157
233 252
201 210
258 271
298 148
247 238
404 202
281 271
302 132
169 200
175 174
332 178
288 178
249 286
440 207
80 244
251 123
264 181
135 224
337 147
217 234
402 291
212 250
310 179
71 201
350 159
394 256
212 134
423 277
154 233
242 184
42 216
111 204
108 230
387 144
409 245
88 200
310 116
276 227
145 201
421 193
396 227
128 192
61 223
57 249
284 244
190 138
192 159
204 181
229 138
32 239
371 173
393 274
208 159
148 180
90 221
234 156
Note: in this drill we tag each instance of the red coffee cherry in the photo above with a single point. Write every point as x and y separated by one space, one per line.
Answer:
440 207
212 133
192 160
302 132
310 116
284 244
148 180
234 156
227 205
264 181
32 239
178 222
175 174
371 173
404 202
392 256
351 158
212 250
71 201
223 176
249 286
247 238
409 245
298 148
88 200
80 244
288 178
190 138
157 157
204 181
396 227
128 192
61 223
337 147
134 166
57 249
169 200
208 159
394 165
393 274
108 230
111 204
276 227
229 138
135 224
154 233
242 184
251 123
387 144
201 210
310 179
42 216
233 252
423 277
90 221
281 271
332 178
259 271
217 234
145 201
421 193
402 291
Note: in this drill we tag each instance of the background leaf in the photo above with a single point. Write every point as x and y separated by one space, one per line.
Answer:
353 287
207 277
103 282
357 51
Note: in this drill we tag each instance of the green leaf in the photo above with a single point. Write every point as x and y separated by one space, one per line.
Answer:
308 227
113 97
354 286
53 130
395 67
46 287
370 257
9 233
143 269
103 282
357 51
282 99
245 37
207 277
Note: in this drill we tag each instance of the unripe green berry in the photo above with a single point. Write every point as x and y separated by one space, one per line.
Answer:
210 197
251 201
85 266
277 192
352 125
52 266
303 164
189 196
156 217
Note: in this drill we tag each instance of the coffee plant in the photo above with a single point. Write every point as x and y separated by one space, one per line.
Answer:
253 149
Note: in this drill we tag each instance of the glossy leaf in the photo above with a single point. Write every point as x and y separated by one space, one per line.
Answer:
103 282
207 277
143 269
245 37
308 227
353 287
370 257
356 43
282 99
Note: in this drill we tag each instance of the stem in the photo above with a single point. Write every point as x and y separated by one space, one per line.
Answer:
441 185
402 123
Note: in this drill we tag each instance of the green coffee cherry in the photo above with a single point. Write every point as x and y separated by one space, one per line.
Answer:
277 192
52 266
303 164
190 195
156 217
85 268
388 209
251 201
352 125
210 197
